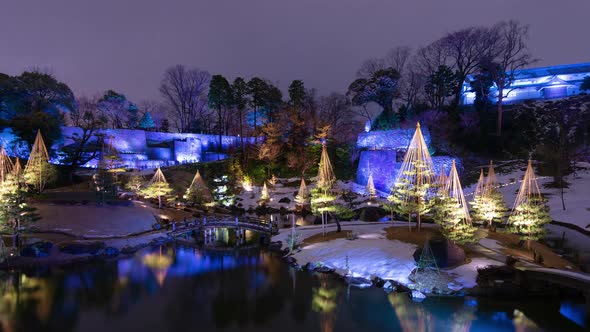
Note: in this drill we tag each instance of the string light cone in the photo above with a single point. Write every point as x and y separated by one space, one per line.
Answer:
198 192
442 179
491 180
371 191
452 212
158 187
453 188
17 169
6 166
326 175
264 195
37 168
415 179
302 197
479 189
529 212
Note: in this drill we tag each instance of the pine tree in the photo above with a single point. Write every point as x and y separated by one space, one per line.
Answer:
157 188
106 178
414 187
451 211
530 212
198 193
264 195
371 191
14 211
38 172
302 197
322 196
488 202
135 182
146 122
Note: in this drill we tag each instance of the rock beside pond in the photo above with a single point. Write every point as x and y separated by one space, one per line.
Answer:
285 200
418 296
359 282
318 267
81 248
389 287
37 249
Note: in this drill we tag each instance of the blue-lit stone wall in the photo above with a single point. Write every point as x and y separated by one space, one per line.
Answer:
383 166
379 157
143 149
389 139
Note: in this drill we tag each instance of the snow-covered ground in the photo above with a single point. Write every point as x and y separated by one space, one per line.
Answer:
372 254
577 196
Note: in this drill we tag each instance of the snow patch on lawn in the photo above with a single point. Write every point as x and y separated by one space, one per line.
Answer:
366 257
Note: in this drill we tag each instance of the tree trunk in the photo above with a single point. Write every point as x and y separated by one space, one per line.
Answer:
159 202
500 100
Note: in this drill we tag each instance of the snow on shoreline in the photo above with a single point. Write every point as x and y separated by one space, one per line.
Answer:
372 254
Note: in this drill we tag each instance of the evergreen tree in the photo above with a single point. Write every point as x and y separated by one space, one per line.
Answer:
14 211
147 122
371 191
198 193
322 196
488 203
530 212
264 195
413 188
38 172
302 197
135 182
451 211
157 188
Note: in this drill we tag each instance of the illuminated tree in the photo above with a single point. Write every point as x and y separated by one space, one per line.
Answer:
322 196
530 212
38 171
198 192
451 211
158 188
14 211
6 165
488 203
110 165
371 191
413 186
135 182
302 197
264 195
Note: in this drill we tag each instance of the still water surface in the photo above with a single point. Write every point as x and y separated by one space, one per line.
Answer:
173 288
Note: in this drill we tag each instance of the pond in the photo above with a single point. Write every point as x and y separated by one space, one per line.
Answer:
175 288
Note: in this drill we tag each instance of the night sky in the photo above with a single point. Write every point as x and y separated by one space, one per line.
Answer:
126 45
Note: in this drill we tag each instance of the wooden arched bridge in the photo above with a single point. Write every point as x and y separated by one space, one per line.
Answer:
567 279
245 223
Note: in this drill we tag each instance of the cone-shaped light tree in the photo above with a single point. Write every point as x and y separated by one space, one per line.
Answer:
451 211
302 197
488 206
413 188
158 188
17 170
264 195
371 191
322 196
38 171
14 210
530 212
6 166
198 192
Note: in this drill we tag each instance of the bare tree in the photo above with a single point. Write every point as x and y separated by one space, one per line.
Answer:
335 111
427 59
465 49
369 67
397 58
511 54
185 91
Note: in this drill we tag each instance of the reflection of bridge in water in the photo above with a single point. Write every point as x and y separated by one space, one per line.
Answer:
566 279
209 225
